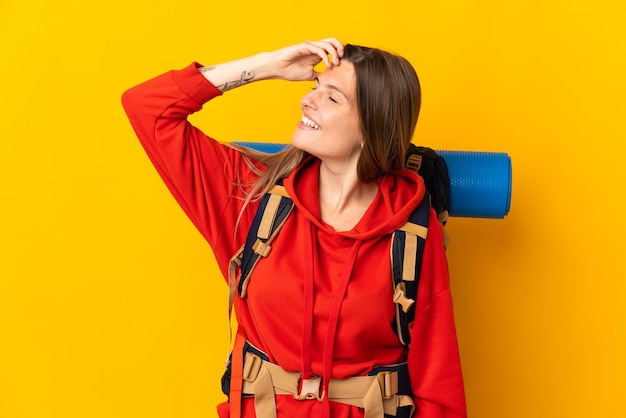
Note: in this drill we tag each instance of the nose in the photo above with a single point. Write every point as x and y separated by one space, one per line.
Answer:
309 100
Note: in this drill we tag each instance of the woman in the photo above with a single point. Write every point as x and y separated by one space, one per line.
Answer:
317 311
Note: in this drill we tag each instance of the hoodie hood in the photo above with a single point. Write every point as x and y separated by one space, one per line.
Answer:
397 197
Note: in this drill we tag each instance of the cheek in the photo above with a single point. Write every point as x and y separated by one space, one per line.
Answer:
353 131
347 121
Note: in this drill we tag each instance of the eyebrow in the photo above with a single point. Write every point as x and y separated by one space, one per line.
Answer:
332 87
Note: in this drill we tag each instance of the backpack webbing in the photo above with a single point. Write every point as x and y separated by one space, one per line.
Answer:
272 213
407 247
406 251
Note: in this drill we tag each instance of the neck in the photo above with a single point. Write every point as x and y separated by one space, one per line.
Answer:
343 197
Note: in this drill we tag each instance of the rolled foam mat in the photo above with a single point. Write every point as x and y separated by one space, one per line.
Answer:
480 182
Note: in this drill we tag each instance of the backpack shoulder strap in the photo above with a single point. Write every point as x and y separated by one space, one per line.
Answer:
407 247
275 207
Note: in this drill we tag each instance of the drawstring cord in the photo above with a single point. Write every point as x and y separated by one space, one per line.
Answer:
333 322
333 318
309 284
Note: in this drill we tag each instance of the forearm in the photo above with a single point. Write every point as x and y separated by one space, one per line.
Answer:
239 72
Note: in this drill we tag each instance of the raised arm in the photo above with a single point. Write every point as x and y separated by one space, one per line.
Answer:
202 174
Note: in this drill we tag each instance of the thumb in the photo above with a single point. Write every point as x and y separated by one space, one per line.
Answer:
314 75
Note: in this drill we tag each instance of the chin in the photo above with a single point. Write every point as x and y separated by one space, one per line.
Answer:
304 141
298 142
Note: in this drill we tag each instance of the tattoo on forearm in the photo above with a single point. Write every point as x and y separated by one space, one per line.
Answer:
206 69
245 78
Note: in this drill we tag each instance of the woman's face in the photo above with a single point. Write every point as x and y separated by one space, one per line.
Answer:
330 127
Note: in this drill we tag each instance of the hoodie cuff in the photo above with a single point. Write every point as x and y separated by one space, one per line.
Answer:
194 84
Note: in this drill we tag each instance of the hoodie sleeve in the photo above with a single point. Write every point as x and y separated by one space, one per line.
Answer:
200 173
434 361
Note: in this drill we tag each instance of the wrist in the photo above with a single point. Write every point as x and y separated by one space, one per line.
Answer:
263 66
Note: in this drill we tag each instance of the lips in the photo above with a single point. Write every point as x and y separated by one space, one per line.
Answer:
311 123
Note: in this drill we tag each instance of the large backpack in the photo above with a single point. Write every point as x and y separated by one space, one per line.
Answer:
407 247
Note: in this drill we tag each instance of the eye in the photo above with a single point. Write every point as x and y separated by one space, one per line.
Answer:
332 99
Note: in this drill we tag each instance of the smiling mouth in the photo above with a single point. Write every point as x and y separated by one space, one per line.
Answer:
311 123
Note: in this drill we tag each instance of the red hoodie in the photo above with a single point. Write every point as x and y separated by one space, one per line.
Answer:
321 303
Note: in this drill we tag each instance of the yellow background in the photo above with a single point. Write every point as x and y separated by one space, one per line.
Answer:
110 304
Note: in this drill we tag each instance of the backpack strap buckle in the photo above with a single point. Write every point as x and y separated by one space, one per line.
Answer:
388 382
251 366
261 248
310 389
399 296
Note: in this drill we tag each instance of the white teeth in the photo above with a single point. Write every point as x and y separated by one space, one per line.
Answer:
310 123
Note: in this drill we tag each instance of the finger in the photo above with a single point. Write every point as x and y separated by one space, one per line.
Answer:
337 49
327 49
332 46
314 75
320 49
337 44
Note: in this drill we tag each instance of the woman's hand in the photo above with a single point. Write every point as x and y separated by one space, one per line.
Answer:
294 63
297 62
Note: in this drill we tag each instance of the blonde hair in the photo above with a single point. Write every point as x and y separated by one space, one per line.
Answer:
273 167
